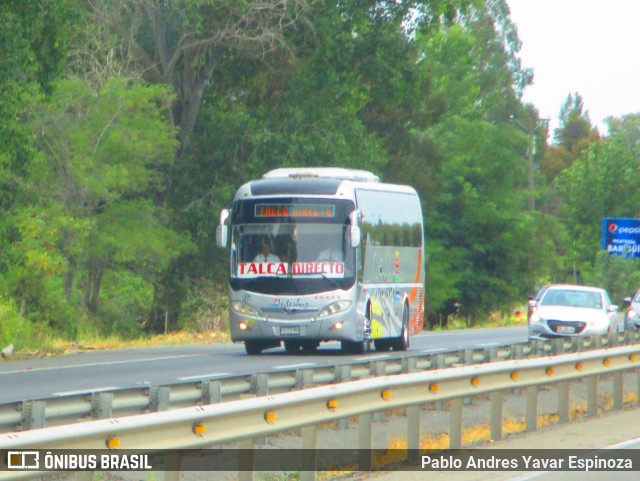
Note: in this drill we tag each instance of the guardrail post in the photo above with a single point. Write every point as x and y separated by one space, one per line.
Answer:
102 405
439 362
413 432
211 392
245 460
495 421
260 384
159 398
34 414
468 357
557 346
409 364
343 374
532 409
517 351
304 378
455 424
378 368
173 460
618 390
365 456
592 396
563 402
309 455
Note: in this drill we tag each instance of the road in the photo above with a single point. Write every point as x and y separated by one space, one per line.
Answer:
128 368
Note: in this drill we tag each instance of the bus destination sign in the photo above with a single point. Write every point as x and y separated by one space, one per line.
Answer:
295 210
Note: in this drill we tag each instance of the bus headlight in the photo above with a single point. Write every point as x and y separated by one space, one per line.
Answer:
334 308
244 308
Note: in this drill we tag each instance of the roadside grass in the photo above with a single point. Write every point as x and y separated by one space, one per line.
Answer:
476 435
58 346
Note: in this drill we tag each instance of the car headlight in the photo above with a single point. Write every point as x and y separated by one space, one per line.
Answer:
244 308
334 308
535 318
631 314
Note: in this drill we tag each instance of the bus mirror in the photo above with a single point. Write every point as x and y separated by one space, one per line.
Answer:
221 236
355 236
354 218
221 230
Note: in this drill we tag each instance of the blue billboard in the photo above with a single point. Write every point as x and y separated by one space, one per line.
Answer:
621 236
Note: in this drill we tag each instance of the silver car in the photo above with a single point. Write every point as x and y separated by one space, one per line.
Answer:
568 310
632 314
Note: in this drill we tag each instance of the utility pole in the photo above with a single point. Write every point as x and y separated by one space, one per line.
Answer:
531 130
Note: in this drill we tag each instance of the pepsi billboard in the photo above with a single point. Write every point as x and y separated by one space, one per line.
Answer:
621 236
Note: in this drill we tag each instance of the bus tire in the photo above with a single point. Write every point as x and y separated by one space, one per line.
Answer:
402 343
253 347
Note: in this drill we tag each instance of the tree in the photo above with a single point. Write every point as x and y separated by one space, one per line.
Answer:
92 185
182 43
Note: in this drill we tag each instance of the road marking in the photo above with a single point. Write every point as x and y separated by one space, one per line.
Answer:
97 389
373 358
491 344
296 366
108 363
440 349
202 376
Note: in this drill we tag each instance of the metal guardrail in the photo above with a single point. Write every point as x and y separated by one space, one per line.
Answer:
64 410
216 424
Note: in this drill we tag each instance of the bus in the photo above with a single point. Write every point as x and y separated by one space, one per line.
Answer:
324 254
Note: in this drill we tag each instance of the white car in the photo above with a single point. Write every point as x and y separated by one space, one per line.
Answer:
568 310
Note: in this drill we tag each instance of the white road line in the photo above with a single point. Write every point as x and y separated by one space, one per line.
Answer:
205 376
84 391
296 366
108 363
491 344
373 358
440 349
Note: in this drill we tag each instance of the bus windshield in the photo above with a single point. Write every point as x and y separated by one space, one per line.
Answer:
291 257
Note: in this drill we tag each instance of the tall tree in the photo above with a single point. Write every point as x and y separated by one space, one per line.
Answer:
90 185
182 43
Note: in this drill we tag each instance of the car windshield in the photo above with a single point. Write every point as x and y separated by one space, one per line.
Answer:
571 298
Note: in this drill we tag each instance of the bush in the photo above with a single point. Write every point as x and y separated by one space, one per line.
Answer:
620 276
14 329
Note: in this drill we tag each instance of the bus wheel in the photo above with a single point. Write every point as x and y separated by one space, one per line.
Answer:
253 347
357 347
402 343
292 347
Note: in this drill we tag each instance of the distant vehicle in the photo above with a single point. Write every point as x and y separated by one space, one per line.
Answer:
569 310
534 301
632 313
324 254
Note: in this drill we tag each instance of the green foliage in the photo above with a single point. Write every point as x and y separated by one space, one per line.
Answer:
620 276
591 189
14 329
109 210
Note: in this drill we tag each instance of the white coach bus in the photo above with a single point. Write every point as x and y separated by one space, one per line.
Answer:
324 254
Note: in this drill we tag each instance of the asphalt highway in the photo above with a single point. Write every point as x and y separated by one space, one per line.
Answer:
105 370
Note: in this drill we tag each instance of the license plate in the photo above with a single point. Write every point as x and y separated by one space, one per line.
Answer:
290 331
566 330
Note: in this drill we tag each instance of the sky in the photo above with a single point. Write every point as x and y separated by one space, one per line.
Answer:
587 46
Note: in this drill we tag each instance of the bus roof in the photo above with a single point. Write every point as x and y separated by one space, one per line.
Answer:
322 172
